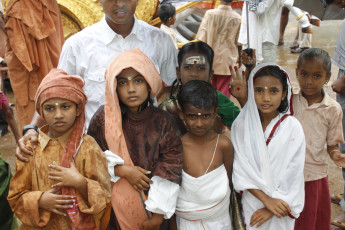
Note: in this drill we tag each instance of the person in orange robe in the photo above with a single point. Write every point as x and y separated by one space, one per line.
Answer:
34 42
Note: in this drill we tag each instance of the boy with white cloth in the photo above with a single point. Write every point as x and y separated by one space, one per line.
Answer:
204 197
269 156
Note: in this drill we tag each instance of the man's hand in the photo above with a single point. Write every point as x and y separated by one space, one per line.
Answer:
53 202
22 148
338 85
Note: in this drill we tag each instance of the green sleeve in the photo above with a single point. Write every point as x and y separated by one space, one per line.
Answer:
228 111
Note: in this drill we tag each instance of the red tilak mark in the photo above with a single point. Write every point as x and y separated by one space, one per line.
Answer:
236 68
195 62
230 68
243 73
238 88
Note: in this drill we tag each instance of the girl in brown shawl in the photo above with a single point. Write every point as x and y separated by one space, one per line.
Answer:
144 143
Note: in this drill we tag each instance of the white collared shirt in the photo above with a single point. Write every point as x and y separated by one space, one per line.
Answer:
88 53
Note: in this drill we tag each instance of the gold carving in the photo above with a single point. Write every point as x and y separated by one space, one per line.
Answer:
78 14
146 9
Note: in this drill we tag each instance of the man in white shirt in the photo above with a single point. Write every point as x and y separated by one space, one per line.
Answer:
88 53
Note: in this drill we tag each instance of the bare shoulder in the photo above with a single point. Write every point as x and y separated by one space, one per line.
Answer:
225 142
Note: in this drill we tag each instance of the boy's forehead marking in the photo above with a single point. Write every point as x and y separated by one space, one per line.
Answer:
196 60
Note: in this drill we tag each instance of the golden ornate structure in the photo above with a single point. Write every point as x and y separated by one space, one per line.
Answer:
78 14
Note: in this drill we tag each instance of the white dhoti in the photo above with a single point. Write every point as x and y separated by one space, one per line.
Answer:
203 202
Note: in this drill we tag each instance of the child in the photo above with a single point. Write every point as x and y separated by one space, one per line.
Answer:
204 198
269 152
321 119
220 29
65 185
167 14
195 61
146 150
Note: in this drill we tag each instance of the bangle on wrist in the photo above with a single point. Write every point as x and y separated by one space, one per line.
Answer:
331 154
27 127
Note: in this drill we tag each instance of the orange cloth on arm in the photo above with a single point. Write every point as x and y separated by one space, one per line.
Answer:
35 39
126 202
57 84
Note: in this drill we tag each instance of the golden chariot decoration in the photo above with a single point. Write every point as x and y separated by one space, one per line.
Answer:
78 14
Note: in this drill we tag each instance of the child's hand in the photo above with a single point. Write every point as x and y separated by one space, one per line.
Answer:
153 223
339 159
247 60
238 86
260 216
135 175
69 177
338 85
278 207
53 202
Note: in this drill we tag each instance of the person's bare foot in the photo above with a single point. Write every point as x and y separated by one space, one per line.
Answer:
339 221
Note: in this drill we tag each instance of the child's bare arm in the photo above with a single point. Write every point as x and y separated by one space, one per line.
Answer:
68 177
12 122
260 216
278 207
53 202
336 155
135 175
228 157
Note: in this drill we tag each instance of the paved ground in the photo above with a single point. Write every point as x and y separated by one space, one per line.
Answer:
324 37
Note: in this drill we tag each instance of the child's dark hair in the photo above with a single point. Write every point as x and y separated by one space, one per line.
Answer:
275 71
166 11
312 53
198 46
199 94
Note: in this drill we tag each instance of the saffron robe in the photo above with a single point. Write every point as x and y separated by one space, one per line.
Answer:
35 39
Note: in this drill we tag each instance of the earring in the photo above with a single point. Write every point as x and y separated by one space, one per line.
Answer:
179 82
283 98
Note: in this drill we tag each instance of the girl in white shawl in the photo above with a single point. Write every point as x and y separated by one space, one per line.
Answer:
269 152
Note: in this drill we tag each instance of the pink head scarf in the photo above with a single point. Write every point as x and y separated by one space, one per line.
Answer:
125 200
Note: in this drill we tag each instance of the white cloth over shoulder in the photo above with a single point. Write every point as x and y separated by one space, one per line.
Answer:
162 194
276 168
88 53
339 51
204 199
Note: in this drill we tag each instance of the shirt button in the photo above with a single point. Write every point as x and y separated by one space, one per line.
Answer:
55 142
54 162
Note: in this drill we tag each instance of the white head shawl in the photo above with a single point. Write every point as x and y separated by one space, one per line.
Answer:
249 142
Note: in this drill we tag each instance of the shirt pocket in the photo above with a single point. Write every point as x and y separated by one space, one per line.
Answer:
95 85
